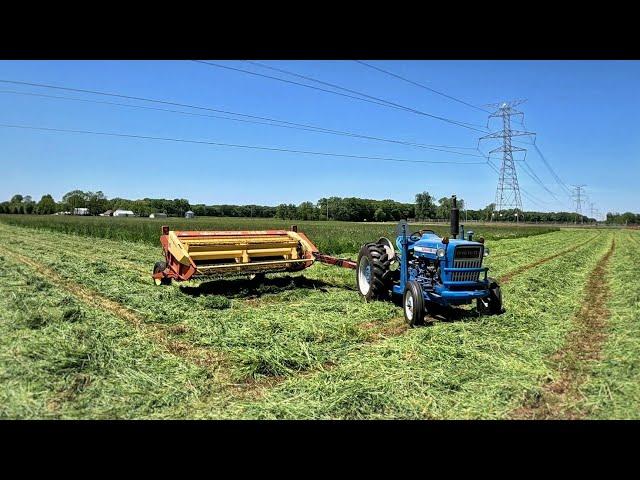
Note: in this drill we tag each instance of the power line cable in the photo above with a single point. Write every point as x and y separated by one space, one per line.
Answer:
333 85
532 174
235 145
379 102
421 85
263 120
532 198
557 178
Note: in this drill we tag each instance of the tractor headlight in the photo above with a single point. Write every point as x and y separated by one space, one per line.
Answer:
486 251
440 253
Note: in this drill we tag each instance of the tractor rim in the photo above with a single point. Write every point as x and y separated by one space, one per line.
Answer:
364 276
408 306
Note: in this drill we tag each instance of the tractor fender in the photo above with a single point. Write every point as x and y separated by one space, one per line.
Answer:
388 247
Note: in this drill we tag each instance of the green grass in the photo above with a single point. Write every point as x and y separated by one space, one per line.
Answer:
60 358
299 346
476 368
330 237
613 391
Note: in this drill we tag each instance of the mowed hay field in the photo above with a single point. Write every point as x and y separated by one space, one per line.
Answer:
84 332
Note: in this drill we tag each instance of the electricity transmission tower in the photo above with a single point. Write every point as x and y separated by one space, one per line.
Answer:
578 198
508 191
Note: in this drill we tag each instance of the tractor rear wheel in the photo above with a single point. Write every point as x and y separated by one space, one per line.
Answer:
160 267
372 272
413 304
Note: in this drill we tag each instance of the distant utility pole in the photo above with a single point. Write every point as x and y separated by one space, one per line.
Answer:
508 191
579 193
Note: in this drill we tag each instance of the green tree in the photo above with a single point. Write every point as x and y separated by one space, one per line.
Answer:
379 215
443 210
96 202
17 198
425 206
307 211
75 199
46 205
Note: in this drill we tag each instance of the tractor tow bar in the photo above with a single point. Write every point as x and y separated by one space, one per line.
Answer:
338 262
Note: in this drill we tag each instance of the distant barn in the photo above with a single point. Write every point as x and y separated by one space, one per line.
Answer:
158 215
81 211
123 213
189 214
108 213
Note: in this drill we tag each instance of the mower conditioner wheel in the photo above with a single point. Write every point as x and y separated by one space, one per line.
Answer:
413 304
159 267
373 272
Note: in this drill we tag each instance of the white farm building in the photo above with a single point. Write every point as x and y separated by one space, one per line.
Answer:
158 215
123 213
81 211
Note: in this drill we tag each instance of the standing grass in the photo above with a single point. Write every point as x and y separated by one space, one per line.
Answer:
330 237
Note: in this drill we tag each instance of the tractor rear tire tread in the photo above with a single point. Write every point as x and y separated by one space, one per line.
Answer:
380 266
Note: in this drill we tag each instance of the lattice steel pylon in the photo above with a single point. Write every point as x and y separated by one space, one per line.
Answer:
508 191
578 196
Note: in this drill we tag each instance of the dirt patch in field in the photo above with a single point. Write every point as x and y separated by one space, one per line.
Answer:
377 332
558 398
156 333
506 278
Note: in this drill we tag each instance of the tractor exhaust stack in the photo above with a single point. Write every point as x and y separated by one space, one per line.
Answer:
455 217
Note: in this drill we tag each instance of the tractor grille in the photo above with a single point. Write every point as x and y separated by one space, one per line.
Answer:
467 257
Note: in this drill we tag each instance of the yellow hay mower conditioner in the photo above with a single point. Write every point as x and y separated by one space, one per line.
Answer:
190 254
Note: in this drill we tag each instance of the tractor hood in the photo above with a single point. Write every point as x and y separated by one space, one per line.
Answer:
429 244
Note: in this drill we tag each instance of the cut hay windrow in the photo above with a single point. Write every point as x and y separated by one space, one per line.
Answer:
559 398
202 357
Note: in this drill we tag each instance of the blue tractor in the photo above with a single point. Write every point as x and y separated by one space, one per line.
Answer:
426 271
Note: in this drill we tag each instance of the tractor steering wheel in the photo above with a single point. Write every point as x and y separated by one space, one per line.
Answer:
415 236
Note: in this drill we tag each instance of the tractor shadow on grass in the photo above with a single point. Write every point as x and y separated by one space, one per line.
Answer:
247 288
438 313
452 314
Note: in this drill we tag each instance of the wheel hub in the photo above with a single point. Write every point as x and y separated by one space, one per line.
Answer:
408 306
364 276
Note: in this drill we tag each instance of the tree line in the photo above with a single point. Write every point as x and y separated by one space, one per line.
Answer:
626 218
425 208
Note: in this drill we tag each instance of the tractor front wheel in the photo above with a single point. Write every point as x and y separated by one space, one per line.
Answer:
372 272
413 304
160 267
492 305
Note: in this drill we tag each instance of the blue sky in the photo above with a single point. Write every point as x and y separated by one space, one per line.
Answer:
585 114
